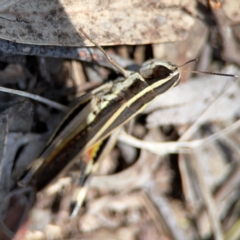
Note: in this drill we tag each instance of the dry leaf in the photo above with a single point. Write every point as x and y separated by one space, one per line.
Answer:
108 22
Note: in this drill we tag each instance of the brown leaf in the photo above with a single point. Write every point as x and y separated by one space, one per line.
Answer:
111 22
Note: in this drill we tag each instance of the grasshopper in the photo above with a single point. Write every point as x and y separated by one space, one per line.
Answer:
96 116
93 120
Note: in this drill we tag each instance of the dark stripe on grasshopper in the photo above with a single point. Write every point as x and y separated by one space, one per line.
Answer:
82 102
127 99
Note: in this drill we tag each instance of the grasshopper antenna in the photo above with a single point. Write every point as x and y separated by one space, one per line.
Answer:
124 72
217 74
193 60
204 72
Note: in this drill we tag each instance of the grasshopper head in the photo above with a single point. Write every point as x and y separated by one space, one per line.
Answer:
159 69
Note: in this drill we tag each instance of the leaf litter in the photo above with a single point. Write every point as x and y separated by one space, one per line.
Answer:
191 193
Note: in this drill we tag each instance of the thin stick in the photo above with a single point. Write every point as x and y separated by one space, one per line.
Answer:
36 98
161 148
213 214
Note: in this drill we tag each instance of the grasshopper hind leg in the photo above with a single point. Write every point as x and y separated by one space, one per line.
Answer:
89 162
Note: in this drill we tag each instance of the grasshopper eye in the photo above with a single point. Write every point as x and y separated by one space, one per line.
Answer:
161 72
